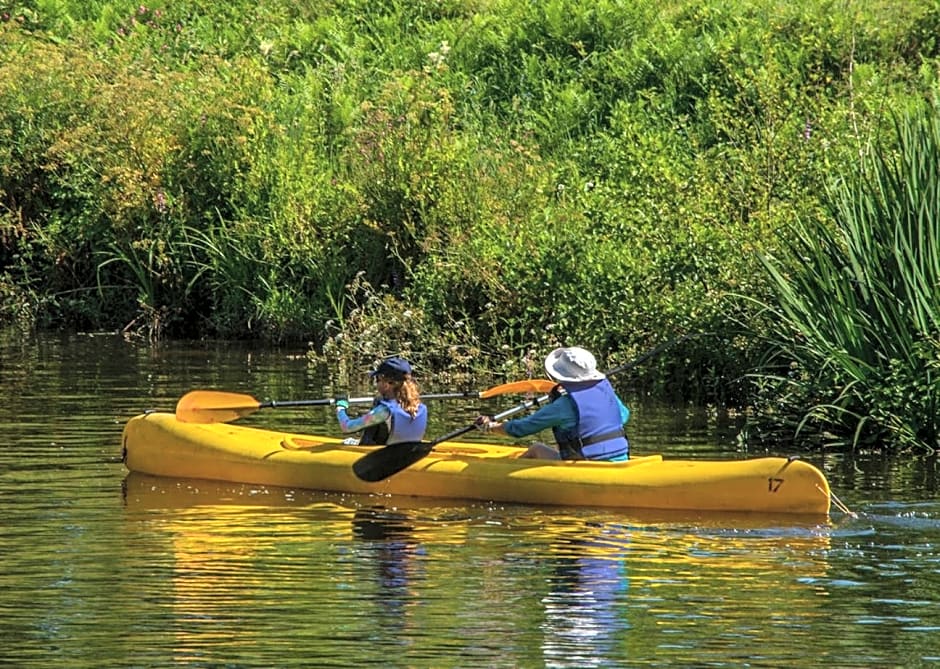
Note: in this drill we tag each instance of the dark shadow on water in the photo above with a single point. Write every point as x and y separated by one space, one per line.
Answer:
378 524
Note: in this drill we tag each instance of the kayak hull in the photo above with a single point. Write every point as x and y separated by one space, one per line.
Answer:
158 444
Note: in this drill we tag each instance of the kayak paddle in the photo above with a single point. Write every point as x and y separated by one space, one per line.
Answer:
211 406
388 460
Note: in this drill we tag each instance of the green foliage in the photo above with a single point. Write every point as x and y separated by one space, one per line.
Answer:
857 310
377 325
604 173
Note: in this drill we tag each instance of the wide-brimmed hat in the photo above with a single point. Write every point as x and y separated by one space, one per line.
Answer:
572 364
393 368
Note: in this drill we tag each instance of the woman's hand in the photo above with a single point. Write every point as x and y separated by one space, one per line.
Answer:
485 423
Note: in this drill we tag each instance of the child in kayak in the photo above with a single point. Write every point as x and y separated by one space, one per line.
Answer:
397 416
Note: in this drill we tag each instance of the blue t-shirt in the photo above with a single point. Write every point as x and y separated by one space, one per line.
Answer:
560 413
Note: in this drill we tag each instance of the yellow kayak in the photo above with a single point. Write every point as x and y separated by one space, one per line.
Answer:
158 444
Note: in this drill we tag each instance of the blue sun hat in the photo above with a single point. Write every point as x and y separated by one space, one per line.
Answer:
392 368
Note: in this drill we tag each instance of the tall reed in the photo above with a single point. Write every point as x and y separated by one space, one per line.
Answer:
855 330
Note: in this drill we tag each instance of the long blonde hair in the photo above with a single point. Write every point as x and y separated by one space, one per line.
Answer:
406 393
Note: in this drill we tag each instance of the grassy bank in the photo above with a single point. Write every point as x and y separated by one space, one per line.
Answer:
470 183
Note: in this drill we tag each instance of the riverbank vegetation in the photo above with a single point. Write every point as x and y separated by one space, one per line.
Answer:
473 182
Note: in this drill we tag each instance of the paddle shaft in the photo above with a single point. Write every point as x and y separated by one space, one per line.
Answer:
210 406
649 354
505 414
273 404
470 394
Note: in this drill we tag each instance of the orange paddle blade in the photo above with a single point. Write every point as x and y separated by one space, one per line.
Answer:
520 387
210 406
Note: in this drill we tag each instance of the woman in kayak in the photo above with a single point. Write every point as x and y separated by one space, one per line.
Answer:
584 413
397 416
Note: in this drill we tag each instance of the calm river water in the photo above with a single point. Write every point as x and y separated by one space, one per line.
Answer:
105 569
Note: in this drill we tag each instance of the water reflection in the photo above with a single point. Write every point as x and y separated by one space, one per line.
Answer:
389 544
598 588
239 573
584 612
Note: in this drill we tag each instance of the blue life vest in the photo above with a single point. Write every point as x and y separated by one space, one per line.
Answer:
402 427
598 434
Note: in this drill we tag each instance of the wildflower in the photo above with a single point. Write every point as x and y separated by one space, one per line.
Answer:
159 202
437 58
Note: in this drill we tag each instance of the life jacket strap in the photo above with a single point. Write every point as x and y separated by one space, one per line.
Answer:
575 447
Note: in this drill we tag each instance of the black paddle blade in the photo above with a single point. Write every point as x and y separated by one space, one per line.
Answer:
383 462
